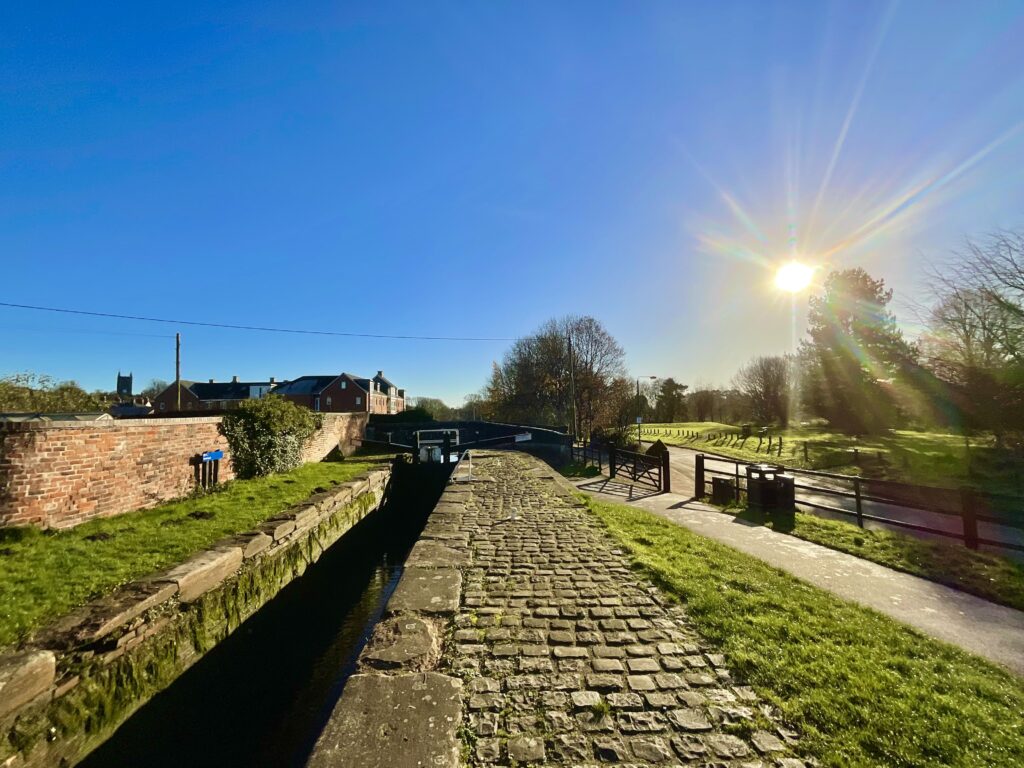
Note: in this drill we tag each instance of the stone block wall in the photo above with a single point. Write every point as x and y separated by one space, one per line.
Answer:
58 475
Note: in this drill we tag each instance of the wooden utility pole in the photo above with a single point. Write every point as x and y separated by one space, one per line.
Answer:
177 367
572 387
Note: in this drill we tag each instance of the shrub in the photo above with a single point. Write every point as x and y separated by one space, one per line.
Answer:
266 435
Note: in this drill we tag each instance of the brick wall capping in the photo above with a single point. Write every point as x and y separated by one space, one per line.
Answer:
44 426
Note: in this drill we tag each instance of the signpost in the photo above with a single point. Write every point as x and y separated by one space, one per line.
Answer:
209 471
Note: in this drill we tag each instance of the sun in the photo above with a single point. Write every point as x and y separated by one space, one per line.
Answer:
793 276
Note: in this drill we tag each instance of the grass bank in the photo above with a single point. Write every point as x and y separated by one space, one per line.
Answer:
986 575
860 688
924 458
45 574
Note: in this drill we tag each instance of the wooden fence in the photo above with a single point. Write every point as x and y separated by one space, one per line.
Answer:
969 505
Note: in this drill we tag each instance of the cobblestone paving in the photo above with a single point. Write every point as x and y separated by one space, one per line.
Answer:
569 658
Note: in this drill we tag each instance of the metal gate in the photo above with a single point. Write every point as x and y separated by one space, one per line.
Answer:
645 471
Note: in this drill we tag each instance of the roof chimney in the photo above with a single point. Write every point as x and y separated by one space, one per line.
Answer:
273 380
380 374
211 381
234 379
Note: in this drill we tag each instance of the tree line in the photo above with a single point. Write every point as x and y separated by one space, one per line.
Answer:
855 369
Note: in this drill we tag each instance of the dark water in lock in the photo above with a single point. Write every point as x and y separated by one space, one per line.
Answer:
261 697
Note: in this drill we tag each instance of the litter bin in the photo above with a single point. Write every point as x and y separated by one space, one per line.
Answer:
768 489
723 492
787 492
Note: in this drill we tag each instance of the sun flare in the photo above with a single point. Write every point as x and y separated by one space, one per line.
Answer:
793 276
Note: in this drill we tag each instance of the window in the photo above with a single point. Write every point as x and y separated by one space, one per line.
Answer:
316 403
359 400
344 385
163 406
328 402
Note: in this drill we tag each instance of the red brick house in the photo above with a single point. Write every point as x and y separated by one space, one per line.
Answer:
343 393
396 396
210 395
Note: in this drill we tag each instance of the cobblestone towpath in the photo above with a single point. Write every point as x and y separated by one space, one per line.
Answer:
554 652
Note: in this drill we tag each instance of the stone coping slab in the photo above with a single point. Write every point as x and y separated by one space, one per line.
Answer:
393 721
24 677
427 590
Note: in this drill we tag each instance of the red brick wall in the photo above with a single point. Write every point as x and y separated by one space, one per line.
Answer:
343 400
56 475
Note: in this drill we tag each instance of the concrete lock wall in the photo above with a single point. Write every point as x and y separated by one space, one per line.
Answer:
58 475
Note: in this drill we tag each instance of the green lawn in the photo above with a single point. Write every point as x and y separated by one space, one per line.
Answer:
860 688
44 575
925 458
992 577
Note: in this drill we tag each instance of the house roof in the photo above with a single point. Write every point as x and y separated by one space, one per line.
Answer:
224 390
304 385
387 384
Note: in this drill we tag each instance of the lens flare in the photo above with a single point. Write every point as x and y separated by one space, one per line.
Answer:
793 276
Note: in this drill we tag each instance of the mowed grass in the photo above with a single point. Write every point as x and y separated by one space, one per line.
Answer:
44 575
923 458
988 576
860 688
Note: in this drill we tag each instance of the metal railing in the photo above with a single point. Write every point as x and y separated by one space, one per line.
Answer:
588 456
968 505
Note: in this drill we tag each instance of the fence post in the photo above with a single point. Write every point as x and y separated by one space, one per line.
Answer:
666 477
611 461
806 460
698 466
969 511
446 446
737 482
860 508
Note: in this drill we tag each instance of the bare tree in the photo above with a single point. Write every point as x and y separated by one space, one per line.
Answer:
974 345
766 381
561 374
154 388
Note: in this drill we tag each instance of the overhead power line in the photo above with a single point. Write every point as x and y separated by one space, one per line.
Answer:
265 329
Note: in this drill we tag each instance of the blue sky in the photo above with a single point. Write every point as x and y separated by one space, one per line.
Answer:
476 168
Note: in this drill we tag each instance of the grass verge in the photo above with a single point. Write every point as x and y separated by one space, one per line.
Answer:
985 575
861 688
45 574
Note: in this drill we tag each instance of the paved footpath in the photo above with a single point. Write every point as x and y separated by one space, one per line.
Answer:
569 657
992 631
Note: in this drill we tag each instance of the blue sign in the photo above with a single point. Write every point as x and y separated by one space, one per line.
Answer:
213 455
